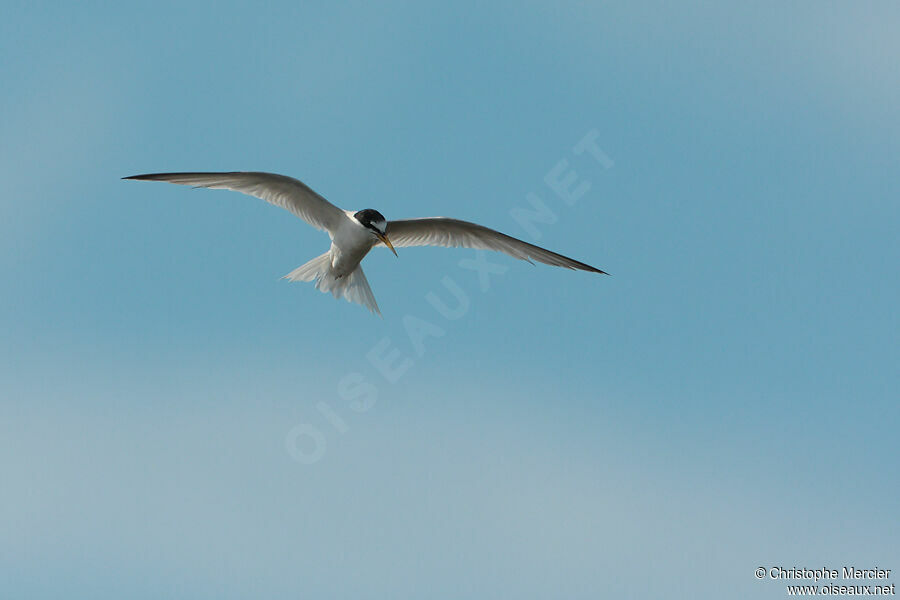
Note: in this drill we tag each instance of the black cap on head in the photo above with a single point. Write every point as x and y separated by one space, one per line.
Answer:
369 217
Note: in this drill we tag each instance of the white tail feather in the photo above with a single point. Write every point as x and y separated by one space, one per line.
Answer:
312 269
353 287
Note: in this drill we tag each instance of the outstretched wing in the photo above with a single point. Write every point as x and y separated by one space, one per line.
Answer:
280 190
441 231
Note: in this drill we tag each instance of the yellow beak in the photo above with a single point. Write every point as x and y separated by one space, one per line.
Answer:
387 243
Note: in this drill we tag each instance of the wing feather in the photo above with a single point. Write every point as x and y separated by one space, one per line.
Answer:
280 190
442 231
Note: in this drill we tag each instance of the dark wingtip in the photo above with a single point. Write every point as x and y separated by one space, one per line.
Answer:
587 267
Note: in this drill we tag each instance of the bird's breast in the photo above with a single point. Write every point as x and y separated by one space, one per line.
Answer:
349 246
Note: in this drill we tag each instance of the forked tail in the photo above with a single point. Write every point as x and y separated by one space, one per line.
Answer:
353 287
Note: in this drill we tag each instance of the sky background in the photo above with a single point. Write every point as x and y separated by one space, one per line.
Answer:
726 400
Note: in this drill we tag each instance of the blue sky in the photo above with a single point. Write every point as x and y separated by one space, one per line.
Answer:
727 399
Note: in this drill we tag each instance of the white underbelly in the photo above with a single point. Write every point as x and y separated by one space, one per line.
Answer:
349 246
345 261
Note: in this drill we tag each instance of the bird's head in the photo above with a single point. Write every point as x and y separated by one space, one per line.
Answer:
375 222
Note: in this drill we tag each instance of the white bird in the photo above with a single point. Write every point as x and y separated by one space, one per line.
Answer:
354 233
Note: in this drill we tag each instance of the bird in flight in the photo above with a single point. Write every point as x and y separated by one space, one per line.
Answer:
354 233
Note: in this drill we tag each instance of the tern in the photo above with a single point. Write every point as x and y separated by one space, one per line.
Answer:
354 233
